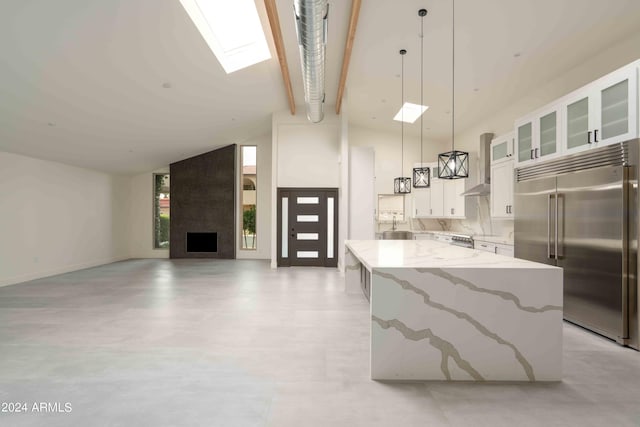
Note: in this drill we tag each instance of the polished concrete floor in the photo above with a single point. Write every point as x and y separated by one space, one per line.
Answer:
234 343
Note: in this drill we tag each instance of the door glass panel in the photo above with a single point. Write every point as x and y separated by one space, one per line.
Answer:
285 227
308 200
307 254
308 236
548 127
500 151
329 227
577 123
615 110
307 218
524 142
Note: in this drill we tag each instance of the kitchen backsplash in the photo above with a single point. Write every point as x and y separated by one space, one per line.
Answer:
482 224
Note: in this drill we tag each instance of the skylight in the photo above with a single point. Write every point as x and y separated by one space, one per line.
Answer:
409 112
232 29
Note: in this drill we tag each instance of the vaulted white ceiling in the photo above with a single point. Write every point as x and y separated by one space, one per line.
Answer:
126 86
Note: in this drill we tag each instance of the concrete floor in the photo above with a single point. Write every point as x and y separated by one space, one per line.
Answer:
234 343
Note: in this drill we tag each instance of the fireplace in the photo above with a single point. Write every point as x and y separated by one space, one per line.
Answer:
202 241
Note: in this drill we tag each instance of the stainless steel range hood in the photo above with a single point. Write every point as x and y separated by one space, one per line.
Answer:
484 164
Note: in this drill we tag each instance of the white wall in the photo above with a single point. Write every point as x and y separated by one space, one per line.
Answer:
263 206
141 217
308 153
58 218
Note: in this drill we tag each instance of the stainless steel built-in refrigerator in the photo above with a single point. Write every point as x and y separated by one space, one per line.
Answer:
580 213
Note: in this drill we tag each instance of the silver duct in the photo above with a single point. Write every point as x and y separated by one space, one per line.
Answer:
311 26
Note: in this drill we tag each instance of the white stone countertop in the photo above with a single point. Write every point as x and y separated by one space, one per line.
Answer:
430 254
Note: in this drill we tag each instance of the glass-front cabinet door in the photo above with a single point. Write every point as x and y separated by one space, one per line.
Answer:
617 100
502 148
524 142
549 134
578 123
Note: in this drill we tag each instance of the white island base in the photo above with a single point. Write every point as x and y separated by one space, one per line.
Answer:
440 312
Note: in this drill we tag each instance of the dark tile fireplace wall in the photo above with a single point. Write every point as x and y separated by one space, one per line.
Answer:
203 199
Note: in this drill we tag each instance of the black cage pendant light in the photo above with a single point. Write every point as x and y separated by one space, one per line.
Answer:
421 175
453 164
402 184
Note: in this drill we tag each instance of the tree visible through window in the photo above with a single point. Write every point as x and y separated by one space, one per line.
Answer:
249 199
161 210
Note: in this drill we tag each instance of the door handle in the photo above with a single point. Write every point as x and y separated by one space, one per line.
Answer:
558 255
595 135
531 154
506 208
537 153
589 137
549 216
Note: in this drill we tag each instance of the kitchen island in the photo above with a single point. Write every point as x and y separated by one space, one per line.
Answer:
441 312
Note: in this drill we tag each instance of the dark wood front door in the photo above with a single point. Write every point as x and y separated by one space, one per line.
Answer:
308 227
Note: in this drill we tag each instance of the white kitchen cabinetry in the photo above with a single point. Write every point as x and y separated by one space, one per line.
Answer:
538 135
422 236
454 204
428 202
442 199
502 176
506 250
502 148
362 191
437 194
603 112
496 248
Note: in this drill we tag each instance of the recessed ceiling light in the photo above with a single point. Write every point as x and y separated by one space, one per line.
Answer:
476 90
166 85
409 112
51 124
517 54
232 29
373 118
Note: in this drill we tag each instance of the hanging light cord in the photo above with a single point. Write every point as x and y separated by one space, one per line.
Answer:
421 84
402 122
453 74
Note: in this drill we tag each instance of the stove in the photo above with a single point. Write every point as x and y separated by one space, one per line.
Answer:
462 240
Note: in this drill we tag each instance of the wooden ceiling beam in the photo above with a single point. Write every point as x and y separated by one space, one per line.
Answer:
274 23
351 34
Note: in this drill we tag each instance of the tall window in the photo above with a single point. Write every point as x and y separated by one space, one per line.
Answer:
249 184
161 210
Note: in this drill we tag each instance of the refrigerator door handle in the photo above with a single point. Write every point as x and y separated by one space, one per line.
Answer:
559 217
549 217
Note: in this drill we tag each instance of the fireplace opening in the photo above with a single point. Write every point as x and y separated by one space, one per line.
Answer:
202 242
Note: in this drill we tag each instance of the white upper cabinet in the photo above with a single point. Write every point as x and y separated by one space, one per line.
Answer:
502 148
538 136
443 198
604 112
437 194
502 176
600 113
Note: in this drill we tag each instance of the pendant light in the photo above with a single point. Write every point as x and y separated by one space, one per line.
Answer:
421 174
453 164
402 184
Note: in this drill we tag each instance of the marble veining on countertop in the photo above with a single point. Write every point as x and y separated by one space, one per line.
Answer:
429 254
